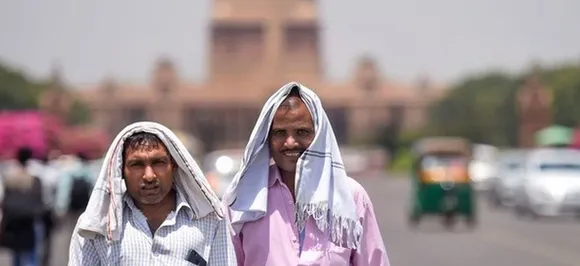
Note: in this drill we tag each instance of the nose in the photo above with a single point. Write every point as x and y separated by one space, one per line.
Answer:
149 174
290 143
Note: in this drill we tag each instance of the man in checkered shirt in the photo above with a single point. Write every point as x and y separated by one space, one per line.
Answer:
151 205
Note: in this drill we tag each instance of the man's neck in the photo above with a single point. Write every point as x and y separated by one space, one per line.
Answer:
157 213
289 180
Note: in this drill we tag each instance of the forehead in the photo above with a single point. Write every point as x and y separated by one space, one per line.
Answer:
295 113
146 149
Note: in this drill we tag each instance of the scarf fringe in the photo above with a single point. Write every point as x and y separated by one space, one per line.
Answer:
338 226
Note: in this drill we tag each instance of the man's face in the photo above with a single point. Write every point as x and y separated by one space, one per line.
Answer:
148 171
291 133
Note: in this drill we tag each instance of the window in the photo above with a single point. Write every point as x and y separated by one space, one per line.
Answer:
206 124
135 114
164 87
369 84
513 166
560 167
442 161
238 40
300 38
338 121
397 114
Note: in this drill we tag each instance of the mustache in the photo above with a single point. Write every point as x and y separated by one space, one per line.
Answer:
152 184
293 150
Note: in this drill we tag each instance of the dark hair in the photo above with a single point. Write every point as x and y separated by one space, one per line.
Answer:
44 159
23 155
140 140
293 94
82 156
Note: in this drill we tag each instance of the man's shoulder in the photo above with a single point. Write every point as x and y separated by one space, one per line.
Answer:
355 186
361 197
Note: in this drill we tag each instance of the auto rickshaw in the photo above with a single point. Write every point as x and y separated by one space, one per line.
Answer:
441 182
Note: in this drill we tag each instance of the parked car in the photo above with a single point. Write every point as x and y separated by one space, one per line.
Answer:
511 170
483 166
551 186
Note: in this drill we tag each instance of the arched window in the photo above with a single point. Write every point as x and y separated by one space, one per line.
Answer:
339 122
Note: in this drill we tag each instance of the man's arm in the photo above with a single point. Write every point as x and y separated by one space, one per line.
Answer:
82 252
222 249
372 250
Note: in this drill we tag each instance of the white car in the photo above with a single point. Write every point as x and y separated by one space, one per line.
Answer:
511 168
551 185
483 167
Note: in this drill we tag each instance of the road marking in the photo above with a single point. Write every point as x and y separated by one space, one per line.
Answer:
531 247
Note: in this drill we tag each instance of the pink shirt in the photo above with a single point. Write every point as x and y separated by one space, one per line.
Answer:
273 239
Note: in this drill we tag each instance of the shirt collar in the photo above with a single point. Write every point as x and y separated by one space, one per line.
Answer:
274 176
182 203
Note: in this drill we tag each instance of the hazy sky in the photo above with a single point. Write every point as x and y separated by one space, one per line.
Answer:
444 39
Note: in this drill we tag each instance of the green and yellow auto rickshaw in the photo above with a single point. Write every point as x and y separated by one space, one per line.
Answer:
441 182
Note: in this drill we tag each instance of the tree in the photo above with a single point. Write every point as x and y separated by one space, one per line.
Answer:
79 113
472 109
483 107
564 82
18 91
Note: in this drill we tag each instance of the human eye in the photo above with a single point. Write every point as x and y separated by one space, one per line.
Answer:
278 132
304 132
160 162
135 164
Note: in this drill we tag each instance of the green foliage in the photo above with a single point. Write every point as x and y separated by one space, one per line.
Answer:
402 161
564 81
472 109
483 108
407 138
18 91
79 113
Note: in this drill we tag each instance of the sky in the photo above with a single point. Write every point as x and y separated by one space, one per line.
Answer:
444 39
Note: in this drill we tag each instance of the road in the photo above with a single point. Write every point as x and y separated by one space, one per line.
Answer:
500 239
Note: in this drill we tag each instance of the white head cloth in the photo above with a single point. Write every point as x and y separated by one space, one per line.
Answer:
322 190
103 215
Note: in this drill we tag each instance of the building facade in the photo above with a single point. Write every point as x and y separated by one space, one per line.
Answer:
534 104
256 46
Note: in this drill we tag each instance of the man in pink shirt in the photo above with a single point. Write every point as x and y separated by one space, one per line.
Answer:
292 203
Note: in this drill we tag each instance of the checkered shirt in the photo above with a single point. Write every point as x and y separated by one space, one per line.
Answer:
170 245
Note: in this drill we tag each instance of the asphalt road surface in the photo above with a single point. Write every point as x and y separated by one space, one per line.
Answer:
500 238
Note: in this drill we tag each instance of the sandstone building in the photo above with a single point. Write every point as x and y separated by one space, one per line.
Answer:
255 47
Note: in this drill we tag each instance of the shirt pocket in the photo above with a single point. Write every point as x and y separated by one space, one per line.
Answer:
338 255
173 261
